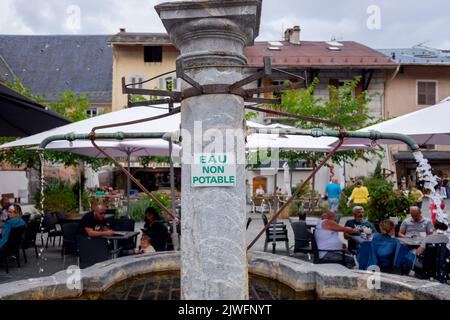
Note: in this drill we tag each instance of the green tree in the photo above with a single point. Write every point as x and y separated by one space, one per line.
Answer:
343 107
378 174
19 87
72 106
69 105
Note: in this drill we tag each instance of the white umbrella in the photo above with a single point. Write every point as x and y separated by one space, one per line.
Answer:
427 126
116 149
168 124
287 179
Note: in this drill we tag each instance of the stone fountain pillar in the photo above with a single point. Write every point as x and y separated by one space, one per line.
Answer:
211 36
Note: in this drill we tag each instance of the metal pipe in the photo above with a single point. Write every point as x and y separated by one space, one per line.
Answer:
319 132
175 238
128 184
104 136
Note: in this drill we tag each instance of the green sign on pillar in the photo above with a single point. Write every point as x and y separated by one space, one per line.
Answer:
213 170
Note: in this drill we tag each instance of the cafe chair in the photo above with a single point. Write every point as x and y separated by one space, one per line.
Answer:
302 238
69 245
91 251
275 233
318 260
61 217
249 220
49 226
124 224
29 238
12 247
435 263
26 216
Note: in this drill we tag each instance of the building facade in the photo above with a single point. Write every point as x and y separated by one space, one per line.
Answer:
141 56
422 79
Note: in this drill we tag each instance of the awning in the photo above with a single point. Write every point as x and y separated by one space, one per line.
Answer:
430 155
20 116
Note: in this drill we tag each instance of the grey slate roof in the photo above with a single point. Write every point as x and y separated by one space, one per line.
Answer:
6 74
419 55
51 64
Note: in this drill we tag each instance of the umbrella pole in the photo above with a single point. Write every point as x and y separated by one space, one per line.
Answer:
80 191
128 184
175 239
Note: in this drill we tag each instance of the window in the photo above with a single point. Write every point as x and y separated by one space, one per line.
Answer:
91 112
153 54
136 82
428 146
426 93
94 111
168 83
277 94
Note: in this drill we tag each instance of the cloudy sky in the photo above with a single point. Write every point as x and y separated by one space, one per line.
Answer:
377 23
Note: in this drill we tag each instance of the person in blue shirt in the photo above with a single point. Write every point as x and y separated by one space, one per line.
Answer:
385 244
14 221
358 221
333 192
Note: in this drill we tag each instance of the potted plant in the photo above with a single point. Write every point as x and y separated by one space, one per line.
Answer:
385 202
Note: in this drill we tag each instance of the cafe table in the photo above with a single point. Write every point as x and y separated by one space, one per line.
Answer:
311 222
412 243
120 235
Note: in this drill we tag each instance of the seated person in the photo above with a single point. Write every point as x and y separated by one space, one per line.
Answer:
14 221
385 244
156 230
439 236
145 246
93 223
327 237
415 225
259 191
5 203
358 222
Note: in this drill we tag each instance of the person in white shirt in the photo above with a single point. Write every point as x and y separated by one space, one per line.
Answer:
259 191
327 238
145 246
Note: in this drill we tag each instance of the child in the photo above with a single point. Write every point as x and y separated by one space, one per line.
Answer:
145 246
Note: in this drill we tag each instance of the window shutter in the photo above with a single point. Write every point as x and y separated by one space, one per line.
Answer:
175 84
359 89
426 93
162 84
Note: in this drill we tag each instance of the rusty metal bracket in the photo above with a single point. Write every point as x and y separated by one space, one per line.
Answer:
182 74
198 89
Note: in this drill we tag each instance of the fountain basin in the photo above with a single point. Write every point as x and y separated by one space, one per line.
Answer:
326 281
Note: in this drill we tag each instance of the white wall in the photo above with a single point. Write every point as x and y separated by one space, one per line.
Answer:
322 178
13 181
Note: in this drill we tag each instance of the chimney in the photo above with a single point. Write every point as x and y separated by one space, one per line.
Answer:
293 35
123 30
